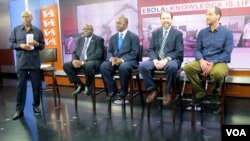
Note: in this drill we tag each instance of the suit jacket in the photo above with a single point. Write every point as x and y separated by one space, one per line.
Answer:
129 50
95 49
173 47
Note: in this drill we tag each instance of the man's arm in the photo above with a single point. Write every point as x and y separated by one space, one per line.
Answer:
197 50
110 53
178 52
228 48
74 54
152 48
40 41
13 42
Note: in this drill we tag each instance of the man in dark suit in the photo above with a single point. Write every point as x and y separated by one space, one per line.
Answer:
165 53
28 62
87 58
122 56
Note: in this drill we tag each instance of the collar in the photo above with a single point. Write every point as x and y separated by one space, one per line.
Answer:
123 33
215 30
23 28
89 37
166 30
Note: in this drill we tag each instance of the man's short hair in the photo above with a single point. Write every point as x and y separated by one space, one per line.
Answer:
168 13
124 19
217 11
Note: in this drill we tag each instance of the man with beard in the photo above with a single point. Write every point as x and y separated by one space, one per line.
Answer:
165 53
212 53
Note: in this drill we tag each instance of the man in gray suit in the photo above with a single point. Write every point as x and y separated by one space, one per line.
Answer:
28 62
86 58
122 56
165 53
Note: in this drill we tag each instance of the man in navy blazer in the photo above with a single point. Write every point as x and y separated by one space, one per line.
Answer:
165 53
122 56
86 58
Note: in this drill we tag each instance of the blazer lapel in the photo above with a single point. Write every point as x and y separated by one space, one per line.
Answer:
171 32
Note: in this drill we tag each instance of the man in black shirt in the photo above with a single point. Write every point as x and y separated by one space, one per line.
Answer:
28 61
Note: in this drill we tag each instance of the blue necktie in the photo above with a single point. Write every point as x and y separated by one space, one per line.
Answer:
120 39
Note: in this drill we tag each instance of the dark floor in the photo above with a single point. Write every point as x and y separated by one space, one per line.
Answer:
63 124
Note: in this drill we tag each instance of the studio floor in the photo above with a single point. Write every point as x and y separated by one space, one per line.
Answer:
64 123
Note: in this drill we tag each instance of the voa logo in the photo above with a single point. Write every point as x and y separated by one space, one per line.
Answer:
236 132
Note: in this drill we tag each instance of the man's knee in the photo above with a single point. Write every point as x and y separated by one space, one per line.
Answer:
104 66
187 67
217 74
124 67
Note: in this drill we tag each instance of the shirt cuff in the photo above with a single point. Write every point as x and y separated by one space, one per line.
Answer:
110 59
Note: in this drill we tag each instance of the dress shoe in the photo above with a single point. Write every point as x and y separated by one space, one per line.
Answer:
122 95
78 90
87 91
152 95
36 109
18 115
166 99
110 95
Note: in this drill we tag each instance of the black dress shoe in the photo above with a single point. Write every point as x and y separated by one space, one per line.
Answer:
87 91
18 114
78 90
110 95
36 109
122 95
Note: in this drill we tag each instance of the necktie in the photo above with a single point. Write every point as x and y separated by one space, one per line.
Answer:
85 46
163 43
120 42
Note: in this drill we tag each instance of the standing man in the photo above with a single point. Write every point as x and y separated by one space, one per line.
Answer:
212 53
86 58
122 56
165 53
28 62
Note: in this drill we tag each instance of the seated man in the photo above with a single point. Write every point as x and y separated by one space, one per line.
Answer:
165 53
122 55
87 58
212 53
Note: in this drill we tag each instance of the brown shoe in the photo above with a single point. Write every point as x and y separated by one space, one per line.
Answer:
151 97
166 99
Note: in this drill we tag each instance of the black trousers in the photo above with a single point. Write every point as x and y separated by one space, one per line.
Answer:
89 69
22 77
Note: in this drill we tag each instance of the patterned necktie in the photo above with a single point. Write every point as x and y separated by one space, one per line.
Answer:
163 43
85 46
120 42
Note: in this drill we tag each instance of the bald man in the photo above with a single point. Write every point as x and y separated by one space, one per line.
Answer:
28 62
212 53
86 58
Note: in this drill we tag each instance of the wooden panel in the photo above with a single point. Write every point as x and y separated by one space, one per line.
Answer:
7 57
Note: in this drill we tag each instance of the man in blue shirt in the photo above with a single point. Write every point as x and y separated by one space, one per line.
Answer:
28 61
212 53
